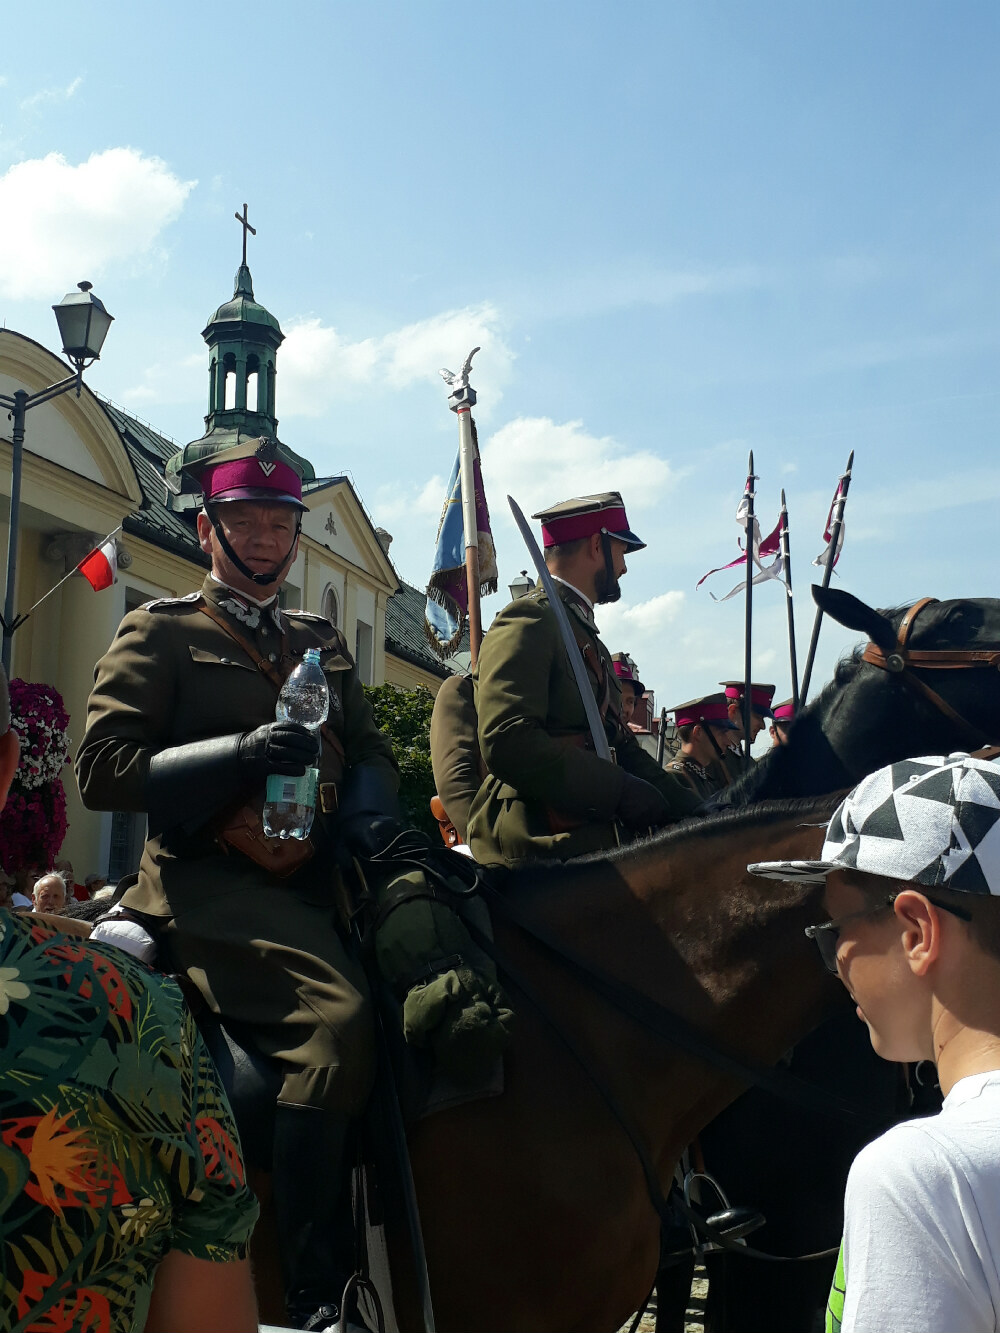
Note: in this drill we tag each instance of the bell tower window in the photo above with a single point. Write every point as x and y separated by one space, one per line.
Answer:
229 369
253 380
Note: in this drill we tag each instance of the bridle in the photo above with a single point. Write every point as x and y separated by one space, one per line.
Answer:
901 661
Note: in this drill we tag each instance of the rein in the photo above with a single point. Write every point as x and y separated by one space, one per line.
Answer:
902 660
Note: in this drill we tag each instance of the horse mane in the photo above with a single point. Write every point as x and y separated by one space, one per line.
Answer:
720 824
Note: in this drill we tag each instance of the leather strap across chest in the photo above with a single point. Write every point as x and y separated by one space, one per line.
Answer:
902 660
267 668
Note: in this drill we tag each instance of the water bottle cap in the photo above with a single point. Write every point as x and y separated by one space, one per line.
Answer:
311 655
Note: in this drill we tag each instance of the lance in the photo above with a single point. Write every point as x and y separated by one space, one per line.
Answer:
838 523
749 614
661 737
786 560
462 400
597 732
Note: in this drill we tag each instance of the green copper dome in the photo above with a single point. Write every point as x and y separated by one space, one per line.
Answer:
243 308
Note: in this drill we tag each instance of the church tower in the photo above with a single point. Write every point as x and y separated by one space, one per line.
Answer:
243 340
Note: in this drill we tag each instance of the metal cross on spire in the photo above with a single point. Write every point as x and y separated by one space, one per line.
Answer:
242 219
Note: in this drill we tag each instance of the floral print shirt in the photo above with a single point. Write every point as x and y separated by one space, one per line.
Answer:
117 1143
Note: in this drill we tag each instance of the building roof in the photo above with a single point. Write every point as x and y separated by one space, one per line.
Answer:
404 632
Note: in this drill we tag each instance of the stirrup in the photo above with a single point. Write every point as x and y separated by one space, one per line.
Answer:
732 1222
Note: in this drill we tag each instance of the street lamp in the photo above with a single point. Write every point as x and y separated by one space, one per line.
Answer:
521 586
83 326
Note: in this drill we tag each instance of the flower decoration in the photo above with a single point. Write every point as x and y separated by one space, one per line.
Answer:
33 823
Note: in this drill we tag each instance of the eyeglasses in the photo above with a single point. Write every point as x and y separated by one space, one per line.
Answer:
827 933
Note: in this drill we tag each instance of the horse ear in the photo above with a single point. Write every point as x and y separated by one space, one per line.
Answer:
849 610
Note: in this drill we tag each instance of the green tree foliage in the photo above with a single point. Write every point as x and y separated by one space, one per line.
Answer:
405 717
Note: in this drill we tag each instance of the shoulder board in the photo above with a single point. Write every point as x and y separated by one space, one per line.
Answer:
158 603
307 615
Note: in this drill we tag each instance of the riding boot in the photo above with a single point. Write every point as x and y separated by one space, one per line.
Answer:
314 1214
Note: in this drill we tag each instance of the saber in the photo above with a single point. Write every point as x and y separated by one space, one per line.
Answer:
597 732
748 624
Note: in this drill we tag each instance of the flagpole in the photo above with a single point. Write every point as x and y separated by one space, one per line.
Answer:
461 401
661 736
56 586
838 523
786 555
749 616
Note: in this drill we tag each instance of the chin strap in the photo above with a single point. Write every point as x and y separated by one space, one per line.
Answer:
262 580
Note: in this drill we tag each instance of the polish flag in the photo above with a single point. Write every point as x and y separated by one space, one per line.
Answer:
100 568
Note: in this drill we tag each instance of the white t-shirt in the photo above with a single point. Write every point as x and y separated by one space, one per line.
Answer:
922 1221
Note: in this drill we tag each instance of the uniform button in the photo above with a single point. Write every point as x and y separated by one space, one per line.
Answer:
263 629
272 657
226 661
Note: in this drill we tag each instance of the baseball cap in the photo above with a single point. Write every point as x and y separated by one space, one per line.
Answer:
933 821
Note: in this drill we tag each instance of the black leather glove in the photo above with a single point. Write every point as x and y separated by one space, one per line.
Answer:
370 815
640 805
277 747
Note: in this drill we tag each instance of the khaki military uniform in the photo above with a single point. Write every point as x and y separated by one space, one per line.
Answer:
455 758
704 782
264 951
732 759
546 793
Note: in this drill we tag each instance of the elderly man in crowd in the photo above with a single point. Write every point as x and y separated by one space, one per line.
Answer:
49 893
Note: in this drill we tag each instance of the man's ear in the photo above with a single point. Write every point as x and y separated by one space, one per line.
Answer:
205 533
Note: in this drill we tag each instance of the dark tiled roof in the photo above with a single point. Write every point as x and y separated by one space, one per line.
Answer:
148 452
404 631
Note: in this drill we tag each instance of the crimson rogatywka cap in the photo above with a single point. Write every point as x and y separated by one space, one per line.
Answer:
252 478
712 710
760 695
572 519
933 822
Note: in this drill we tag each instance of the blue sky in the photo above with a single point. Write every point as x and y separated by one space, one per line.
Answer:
678 231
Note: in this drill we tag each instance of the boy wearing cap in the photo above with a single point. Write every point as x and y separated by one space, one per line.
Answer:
629 683
760 708
547 794
911 864
781 720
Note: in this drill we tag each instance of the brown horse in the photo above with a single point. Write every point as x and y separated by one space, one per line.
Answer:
535 1212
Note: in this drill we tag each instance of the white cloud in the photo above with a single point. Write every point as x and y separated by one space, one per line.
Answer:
645 619
417 501
51 95
318 365
60 223
182 380
540 462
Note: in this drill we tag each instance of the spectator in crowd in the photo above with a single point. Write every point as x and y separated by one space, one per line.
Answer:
73 890
94 882
49 893
911 865
125 1205
9 896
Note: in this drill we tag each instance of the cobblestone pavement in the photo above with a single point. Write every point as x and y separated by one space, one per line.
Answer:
695 1310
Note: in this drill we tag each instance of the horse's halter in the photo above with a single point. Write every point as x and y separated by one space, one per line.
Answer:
900 661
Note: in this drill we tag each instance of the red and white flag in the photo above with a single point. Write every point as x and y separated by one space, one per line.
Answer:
100 567
769 546
828 554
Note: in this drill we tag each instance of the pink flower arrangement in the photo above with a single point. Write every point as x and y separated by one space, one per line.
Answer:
33 823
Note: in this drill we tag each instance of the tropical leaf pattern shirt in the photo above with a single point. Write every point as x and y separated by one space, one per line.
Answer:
117 1143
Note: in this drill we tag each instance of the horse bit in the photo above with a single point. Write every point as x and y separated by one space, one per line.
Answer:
902 659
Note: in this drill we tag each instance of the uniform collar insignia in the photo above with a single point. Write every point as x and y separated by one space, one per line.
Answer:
246 615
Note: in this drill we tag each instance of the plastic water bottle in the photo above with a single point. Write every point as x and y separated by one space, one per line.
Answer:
290 802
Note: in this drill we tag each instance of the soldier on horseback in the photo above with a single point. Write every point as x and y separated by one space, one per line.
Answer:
547 793
181 724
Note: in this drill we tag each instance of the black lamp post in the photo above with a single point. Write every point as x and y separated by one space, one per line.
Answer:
521 586
83 326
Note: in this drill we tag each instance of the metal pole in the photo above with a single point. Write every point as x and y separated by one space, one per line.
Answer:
749 617
467 454
838 523
17 453
661 737
786 553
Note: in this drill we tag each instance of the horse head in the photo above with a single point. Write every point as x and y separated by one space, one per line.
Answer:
926 683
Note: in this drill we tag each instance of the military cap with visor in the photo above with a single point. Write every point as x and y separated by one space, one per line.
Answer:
760 695
625 670
571 520
712 711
